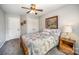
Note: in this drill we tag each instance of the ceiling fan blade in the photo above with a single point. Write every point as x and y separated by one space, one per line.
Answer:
27 12
32 9
25 8
39 10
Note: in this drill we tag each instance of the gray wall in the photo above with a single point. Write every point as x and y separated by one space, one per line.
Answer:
68 15
2 27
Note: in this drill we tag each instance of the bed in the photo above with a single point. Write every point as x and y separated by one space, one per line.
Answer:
41 42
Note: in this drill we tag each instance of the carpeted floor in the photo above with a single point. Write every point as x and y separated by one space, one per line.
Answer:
12 47
55 51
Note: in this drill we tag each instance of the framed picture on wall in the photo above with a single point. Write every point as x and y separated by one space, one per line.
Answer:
51 22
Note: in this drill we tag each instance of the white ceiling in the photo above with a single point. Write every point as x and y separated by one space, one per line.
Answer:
16 8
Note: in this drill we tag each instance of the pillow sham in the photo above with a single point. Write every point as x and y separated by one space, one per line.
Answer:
53 31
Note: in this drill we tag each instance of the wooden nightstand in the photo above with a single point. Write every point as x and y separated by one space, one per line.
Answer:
67 45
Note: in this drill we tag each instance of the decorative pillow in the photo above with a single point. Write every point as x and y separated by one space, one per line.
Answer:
53 31
56 31
45 32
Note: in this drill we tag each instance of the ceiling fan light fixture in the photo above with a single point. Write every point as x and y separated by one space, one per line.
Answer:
32 11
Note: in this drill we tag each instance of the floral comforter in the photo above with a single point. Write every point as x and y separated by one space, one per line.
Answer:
40 43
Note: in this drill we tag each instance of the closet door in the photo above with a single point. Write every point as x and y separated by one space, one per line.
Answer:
14 27
32 25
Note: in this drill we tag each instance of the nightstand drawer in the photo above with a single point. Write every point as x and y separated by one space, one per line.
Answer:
66 49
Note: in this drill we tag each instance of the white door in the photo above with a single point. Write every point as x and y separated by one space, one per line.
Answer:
14 27
32 25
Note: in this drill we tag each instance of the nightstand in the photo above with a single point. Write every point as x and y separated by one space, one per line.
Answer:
67 45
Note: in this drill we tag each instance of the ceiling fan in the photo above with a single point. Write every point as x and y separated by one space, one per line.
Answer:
32 9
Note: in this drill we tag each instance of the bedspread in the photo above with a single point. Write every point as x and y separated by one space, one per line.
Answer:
40 43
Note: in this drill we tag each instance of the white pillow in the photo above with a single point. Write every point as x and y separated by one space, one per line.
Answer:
53 31
47 30
56 31
46 33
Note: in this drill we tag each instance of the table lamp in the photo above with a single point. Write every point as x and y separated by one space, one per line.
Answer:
67 29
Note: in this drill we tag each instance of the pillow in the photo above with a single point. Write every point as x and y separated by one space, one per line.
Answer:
47 30
56 31
53 31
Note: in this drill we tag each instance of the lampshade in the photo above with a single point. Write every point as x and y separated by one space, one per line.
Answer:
67 28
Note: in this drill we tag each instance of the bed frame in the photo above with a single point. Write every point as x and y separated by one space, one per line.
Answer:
24 48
